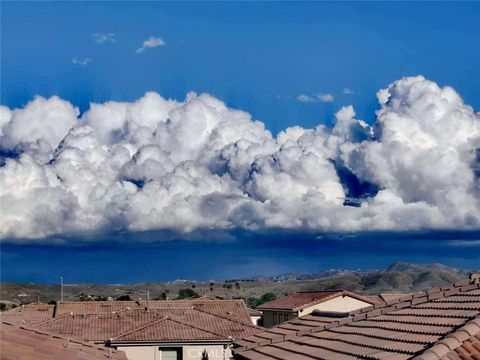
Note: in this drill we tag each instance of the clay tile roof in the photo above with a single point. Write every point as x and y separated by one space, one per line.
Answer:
437 324
97 327
254 312
189 324
28 314
24 343
150 325
300 300
235 309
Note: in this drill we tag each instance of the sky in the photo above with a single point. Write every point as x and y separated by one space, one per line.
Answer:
258 57
297 136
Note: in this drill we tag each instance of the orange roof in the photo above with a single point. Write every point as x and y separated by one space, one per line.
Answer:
97 327
301 300
430 325
24 343
28 314
149 325
191 324
234 309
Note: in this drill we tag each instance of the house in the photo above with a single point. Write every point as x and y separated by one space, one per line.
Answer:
303 303
18 342
437 324
156 330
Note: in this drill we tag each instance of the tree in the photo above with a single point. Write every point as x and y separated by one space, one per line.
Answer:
124 298
162 296
237 285
204 355
186 293
3 306
267 297
253 302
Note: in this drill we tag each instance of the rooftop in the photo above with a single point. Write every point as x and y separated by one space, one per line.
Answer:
300 300
101 321
438 324
153 325
24 343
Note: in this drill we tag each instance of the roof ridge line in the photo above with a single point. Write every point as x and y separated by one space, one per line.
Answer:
451 342
227 318
196 327
148 323
51 319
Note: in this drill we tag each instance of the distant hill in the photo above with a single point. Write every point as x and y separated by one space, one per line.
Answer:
398 277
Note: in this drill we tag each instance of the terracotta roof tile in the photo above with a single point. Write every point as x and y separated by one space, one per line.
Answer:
432 324
300 300
234 309
23 343
28 314
148 324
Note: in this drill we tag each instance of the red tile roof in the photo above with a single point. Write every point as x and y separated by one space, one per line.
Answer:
191 324
301 300
441 320
28 314
20 343
152 325
234 309
97 327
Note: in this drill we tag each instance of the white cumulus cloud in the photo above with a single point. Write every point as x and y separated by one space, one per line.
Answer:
195 165
151 42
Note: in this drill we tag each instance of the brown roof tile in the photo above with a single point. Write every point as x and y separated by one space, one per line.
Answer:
433 324
23 343
300 300
149 325
28 314
234 309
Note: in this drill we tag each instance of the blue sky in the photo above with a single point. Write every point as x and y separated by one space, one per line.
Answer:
285 63
257 57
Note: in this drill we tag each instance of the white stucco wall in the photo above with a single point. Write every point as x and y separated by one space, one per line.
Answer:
215 352
255 319
190 352
339 304
141 352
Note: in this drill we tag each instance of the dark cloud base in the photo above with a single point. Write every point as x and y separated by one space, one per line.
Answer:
129 259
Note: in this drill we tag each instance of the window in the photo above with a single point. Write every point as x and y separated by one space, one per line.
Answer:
171 353
274 318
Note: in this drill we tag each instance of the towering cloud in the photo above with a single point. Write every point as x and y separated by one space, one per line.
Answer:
198 165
